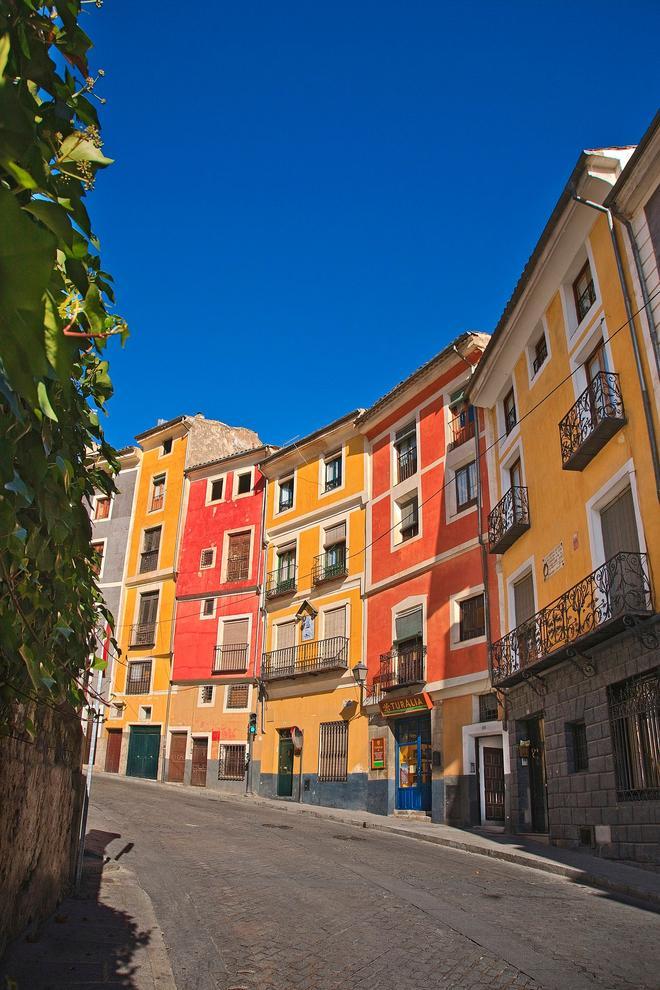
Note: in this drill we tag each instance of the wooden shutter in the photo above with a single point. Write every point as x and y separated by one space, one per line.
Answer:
619 526
409 625
239 546
235 632
286 635
523 596
148 608
335 622
335 534
152 539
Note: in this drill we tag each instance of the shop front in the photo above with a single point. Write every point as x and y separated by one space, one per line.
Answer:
413 763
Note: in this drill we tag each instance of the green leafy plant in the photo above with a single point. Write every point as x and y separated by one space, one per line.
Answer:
55 322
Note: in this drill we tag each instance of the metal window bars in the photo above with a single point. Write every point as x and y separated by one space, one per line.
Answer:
230 659
634 708
333 751
231 761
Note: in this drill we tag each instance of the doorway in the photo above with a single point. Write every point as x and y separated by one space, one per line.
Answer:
538 796
200 752
413 764
285 765
491 780
176 764
143 752
113 751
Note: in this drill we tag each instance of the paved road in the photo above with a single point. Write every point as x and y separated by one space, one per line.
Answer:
254 898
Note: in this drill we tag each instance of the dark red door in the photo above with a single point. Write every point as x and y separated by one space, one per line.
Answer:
494 783
199 759
113 751
177 761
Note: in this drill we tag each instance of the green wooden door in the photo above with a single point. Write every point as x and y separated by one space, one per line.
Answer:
143 750
285 768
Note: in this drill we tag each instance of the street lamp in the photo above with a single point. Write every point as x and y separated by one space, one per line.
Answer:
360 675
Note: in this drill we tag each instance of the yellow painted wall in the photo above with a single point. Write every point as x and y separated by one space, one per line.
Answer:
456 712
185 712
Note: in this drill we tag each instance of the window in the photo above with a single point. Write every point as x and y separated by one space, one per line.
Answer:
540 353
333 472
461 420
285 495
238 557
116 709
231 761
334 623
102 507
405 445
584 292
232 655
97 566
216 489
157 492
409 628
634 707
488 707
206 692
578 756
334 559
207 558
237 696
208 608
510 415
472 622
244 485
286 569
167 446
144 631
138 677
150 548
333 750
409 519
466 486
144 713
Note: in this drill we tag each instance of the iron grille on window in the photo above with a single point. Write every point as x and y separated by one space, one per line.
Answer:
237 695
207 694
333 751
461 425
579 754
206 558
488 708
150 548
138 677
635 725
231 762
472 623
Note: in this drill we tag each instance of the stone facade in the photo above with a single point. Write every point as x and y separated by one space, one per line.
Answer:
583 806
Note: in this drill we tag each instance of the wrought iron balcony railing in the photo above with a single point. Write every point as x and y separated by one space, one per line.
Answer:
615 594
230 659
508 520
330 565
143 634
148 561
281 582
308 658
596 416
406 463
461 428
402 666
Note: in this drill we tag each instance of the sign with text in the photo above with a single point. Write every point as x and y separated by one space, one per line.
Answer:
378 758
406 706
553 561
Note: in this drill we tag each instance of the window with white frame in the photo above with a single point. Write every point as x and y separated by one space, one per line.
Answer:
539 352
157 493
466 486
409 518
405 447
244 483
285 495
207 558
102 507
584 291
216 489
231 761
206 695
237 697
510 412
208 608
98 548
332 470
472 620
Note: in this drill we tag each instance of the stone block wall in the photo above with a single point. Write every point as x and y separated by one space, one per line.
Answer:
41 789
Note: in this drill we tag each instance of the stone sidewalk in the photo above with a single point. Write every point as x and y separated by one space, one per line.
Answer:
106 934
577 867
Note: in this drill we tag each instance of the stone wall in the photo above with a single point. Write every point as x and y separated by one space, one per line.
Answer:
41 788
583 808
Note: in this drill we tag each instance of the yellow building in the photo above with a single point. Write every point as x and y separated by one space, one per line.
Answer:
576 527
314 743
133 733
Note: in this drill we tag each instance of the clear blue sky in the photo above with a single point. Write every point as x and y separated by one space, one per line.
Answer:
309 200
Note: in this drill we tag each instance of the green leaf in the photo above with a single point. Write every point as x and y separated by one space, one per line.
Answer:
77 148
54 217
18 486
27 254
5 46
99 664
44 402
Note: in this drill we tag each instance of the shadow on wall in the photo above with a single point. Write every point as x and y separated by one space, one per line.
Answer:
85 943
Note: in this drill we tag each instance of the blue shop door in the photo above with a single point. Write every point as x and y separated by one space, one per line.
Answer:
413 764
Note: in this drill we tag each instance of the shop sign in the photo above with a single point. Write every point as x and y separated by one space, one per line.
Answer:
405 706
378 753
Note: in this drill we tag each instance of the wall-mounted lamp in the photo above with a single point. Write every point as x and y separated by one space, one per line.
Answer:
360 675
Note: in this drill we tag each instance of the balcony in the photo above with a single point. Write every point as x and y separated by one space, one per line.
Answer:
596 416
461 428
143 634
508 520
330 566
230 659
308 658
282 582
406 463
403 666
596 608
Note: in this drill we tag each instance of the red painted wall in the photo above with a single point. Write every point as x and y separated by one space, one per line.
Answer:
205 526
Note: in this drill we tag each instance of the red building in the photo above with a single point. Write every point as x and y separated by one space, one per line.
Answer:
436 741
217 629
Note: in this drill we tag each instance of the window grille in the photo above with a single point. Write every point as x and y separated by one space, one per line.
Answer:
472 622
488 708
206 694
333 751
634 707
540 353
138 677
150 548
231 762
579 755
237 695
207 557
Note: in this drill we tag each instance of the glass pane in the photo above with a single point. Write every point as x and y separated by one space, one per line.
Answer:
408 765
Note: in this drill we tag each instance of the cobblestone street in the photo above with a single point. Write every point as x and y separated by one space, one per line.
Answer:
252 898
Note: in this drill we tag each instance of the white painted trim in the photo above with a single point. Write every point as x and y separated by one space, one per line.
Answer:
205 618
209 487
206 704
323 460
527 567
456 684
614 486
225 550
103 541
532 378
478 730
415 569
150 493
239 472
291 476
455 643
207 567
228 688
99 497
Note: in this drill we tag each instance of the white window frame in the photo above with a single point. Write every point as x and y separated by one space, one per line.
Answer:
396 542
200 693
625 477
527 567
574 328
282 620
225 549
411 417
209 488
530 351
337 452
99 496
465 455
161 452
225 707
586 346
103 540
409 604
143 590
232 742
237 474
506 439
455 642
158 474
207 567
280 481
202 616
344 603
224 619
152 673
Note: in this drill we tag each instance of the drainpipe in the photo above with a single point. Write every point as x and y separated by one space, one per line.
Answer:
648 415
263 550
653 330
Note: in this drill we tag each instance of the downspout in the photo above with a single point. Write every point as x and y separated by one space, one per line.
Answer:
263 550
648 415
653 330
